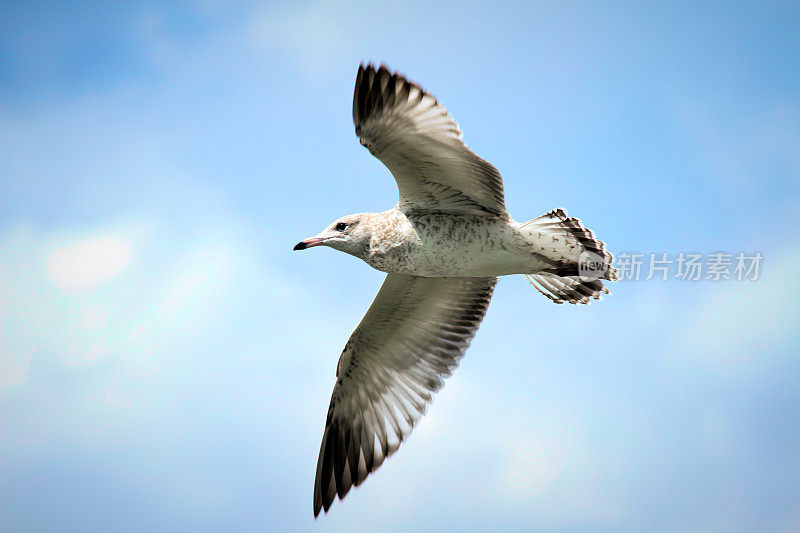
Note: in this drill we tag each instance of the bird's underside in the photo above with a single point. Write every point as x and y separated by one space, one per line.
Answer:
442 247
449 245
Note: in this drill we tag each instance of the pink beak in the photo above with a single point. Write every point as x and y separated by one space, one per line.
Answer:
308 243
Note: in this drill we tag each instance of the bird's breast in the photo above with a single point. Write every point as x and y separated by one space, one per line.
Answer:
444 245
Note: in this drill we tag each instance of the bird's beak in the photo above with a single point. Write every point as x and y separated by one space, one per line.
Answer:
308 243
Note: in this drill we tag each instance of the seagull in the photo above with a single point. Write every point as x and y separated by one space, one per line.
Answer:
443 247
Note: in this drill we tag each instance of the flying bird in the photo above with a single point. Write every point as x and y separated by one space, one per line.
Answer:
443 247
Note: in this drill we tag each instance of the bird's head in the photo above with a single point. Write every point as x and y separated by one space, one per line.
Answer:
350 234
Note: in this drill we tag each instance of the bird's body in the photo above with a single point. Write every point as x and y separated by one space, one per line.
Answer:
443 247
440 245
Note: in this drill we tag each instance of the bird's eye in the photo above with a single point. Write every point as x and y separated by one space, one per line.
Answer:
341 226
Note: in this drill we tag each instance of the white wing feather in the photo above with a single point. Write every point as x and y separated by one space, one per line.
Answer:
412 336
420 143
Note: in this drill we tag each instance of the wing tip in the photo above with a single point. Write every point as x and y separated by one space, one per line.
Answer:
365 66
369 72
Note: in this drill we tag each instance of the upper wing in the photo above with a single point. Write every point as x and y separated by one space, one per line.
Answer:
413 335
420 143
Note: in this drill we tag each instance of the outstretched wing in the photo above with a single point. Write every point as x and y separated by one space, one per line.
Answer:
420 143
412 336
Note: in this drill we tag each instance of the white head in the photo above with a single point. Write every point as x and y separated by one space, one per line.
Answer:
350 234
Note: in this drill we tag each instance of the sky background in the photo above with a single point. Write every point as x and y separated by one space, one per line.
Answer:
166 361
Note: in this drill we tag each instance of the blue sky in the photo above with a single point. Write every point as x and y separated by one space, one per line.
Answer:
167 361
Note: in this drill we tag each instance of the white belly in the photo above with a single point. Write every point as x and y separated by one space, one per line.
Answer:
440 245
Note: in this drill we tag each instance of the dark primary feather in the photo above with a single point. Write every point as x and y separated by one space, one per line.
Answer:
416 138
411 338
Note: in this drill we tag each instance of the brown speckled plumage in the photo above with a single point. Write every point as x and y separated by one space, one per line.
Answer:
443 246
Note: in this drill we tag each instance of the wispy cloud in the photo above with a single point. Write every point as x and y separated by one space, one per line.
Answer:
311 32
85 264
738 328
163 353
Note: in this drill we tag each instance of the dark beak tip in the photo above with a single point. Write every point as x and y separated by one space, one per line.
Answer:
300 246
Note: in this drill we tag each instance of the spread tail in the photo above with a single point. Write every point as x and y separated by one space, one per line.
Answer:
578 260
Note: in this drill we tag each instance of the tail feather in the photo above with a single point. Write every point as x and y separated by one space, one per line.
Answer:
568 289
569 247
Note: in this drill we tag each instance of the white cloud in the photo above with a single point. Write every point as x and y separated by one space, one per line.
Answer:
535 463
68 294
312 33
193 282
13 368
88 263
553 473
740 325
